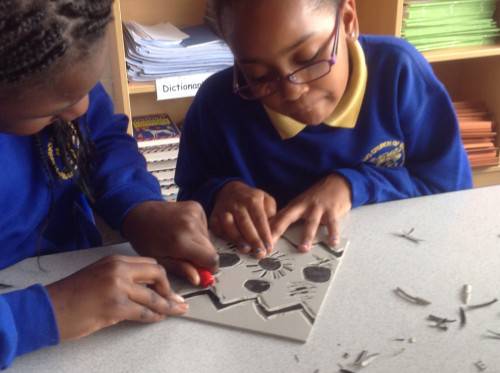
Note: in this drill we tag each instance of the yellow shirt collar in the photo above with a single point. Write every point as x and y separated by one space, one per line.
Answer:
347 111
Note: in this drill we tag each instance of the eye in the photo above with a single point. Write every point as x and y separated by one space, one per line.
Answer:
257 286
317 274
305 61
259 79
276 265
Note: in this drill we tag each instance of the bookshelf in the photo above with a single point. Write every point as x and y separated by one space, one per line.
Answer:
133 98
471 73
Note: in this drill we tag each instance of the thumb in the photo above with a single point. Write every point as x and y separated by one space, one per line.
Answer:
182 269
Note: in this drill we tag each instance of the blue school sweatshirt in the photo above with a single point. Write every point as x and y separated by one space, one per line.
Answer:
405 143
120 181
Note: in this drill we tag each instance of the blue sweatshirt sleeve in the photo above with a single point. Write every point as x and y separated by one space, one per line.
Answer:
121 180
435 159
27 323
198 172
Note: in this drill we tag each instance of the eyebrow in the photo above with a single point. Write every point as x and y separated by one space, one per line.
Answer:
59 111
299 42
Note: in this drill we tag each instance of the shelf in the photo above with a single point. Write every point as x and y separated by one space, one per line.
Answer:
486 176
136 88
451 54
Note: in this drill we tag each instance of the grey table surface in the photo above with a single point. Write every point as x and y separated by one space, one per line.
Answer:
462 245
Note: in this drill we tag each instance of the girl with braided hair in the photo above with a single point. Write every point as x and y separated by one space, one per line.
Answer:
63 152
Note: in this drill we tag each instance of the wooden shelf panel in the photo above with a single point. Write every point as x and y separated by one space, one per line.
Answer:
136 88
453 54
486 176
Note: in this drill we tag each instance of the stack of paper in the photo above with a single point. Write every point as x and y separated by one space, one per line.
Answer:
158 140
435 24
478 133
159 51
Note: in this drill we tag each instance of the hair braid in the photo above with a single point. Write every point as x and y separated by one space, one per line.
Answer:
35 34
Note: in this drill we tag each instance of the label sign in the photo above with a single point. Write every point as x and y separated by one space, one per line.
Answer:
179 86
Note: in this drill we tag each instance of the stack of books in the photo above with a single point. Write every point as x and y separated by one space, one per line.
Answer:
163 50
436 24
478 133
158 140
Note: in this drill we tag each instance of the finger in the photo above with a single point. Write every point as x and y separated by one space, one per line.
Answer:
138 312
182 269
284 219
155 302
261 223
333 228
311 224
128 259
229 228
270 206
244 248
151 274
215 225
201 253
249 232
216 228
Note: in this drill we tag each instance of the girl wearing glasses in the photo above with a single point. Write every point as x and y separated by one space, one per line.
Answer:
312 121
62 151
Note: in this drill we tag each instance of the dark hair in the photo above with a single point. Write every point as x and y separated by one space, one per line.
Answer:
35 34
217 10
40 38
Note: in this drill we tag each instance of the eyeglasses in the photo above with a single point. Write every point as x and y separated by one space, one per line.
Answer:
306 74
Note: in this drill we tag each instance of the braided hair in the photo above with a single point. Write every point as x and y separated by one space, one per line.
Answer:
36 34
38 39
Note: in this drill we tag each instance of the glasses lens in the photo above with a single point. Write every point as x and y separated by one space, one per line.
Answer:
256 91
311 72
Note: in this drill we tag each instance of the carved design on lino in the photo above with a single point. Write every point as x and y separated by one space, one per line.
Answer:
228 260
259 306
257 286
302 290
275 287
275 265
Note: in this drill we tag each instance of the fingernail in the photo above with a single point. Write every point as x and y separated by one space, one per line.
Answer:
195 279
244 248
259 252
177 298
305 246
179 309
269 247
332 241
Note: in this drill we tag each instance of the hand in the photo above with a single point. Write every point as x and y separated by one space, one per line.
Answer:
241 215
326 203
114 289
174 233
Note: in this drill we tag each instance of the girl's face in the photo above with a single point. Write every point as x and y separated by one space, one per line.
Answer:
272 38
29 108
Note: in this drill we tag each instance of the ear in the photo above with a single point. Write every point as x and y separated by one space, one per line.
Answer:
350 19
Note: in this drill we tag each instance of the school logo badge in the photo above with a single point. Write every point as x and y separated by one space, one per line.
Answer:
387 154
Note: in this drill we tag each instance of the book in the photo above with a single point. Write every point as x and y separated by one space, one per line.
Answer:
160 153
155 130
477 128
437 24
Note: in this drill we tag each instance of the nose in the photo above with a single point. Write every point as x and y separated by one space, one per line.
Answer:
292 92
75 111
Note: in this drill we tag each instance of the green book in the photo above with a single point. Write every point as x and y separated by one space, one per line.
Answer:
436 24
435 9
